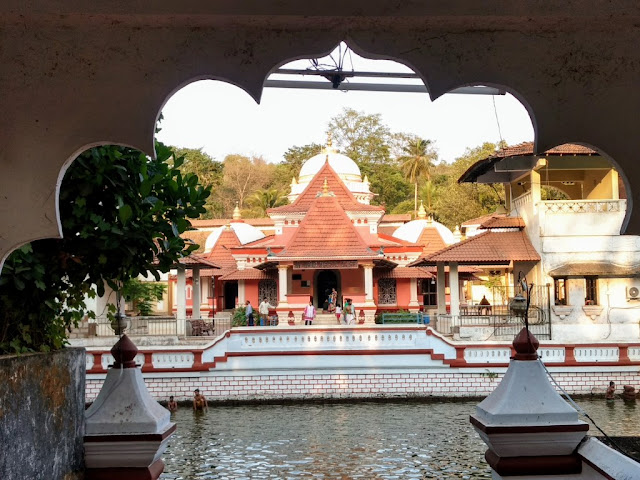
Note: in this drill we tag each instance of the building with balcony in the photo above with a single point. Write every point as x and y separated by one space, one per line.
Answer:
571 205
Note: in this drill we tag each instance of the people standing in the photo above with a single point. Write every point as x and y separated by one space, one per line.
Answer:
348 312
611 391
263 309
199 401
333 298
338 313
172 406
309 314
249 314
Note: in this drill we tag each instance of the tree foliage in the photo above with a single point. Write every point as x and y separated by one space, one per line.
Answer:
210 174
122 215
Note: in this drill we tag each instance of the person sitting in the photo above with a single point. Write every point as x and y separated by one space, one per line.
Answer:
628 392
485 306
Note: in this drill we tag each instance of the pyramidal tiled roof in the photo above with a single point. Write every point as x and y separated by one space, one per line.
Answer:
431 240
220 254
344 196
326 233
486 248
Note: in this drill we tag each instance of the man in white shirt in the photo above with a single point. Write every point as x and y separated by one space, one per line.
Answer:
263 309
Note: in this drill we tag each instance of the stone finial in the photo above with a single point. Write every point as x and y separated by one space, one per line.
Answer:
325 188
366 179
124 352
236 213
294 181
422 213
526 345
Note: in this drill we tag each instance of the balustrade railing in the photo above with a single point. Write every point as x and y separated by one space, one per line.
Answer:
500 323
161 326
582 206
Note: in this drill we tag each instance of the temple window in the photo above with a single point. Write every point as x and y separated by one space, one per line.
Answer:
429 293
269 289
560 291
591 291
387 291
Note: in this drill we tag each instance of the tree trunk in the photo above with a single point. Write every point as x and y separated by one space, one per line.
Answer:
415 200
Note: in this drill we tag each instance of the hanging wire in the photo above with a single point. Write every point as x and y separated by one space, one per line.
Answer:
495 111
582 412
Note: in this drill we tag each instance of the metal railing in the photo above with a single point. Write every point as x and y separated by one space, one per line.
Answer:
405 317
161 326
501 325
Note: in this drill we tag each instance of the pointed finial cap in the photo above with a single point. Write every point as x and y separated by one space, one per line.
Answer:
236 212
526 345
294 181
325 188
422 213
124 353
366 178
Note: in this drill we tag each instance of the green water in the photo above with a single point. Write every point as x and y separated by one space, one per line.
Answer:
367 440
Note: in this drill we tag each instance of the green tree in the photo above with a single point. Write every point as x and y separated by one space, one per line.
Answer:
143 294
262 200
209 172
122 215
388 182
417 162
461 202
242 175
362 137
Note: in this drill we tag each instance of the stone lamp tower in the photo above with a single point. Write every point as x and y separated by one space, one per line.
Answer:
126 429
530 430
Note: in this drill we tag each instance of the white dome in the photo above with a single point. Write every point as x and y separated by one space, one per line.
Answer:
246 233
341 164
411 231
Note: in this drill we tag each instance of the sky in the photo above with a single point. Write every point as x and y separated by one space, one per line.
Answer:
222 119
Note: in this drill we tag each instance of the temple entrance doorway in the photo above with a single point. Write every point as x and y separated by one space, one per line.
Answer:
325 281
230 295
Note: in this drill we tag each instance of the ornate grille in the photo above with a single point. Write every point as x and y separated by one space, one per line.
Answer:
387 291
268 289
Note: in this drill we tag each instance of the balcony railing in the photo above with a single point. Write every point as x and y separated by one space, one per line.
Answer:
160 326
582 206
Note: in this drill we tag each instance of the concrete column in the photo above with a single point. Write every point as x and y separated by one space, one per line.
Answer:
368 284
181 299
283 285
536 195
414 305
442 297
454 286
197 294
242 297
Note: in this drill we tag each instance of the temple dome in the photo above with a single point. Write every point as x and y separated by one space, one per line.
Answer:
246 233
411 231
346 168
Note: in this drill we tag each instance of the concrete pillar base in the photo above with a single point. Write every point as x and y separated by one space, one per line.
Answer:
152 472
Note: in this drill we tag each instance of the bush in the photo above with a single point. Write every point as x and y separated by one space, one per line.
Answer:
239 318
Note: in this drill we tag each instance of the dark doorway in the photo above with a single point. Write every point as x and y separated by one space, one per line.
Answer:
230 295
325 281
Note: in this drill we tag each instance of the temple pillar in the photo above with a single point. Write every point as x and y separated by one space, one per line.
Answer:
283 284
368 284
531 431
197 293
242 296
126 429
414 305
181 300
454 287
442 297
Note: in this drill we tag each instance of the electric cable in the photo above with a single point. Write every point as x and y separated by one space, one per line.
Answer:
581 411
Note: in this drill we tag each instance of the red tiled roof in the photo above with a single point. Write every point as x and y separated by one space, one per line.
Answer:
500 221
247 274
220 222
195 260
526 148
198 237
405 272
221 252
431 240
336 186
482 219
396 217
326 233
487 248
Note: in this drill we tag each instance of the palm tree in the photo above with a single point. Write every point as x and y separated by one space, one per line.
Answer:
417 163
262 200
